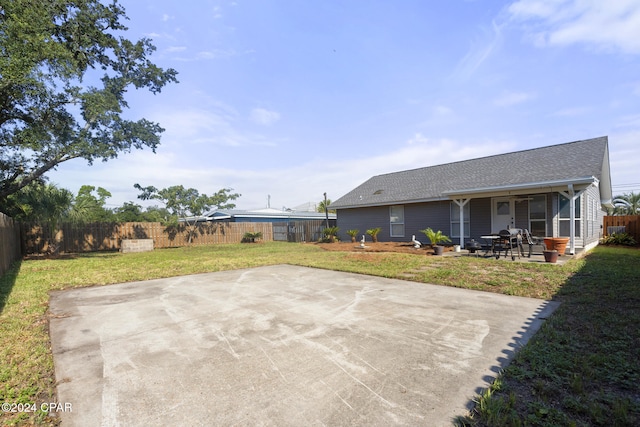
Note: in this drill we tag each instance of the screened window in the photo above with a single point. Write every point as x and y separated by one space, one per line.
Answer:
396 218
455 220
565 214
538 216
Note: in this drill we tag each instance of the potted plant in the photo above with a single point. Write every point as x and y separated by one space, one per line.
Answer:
353 234
436 237
550 256
373 232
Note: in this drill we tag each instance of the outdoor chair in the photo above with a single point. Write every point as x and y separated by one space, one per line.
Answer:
534 243
507 241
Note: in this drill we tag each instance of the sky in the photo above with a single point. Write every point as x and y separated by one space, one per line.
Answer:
284 100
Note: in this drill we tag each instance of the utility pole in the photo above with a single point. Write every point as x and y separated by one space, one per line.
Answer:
326 210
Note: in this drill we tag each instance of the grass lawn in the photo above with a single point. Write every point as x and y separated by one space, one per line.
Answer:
581 367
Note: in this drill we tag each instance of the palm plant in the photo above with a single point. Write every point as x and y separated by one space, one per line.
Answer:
330 233
373 232
627 204
435 237
353 234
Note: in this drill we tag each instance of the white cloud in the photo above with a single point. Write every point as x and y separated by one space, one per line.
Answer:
606 25
172 49
572 111
263 116
288 185
479 52
508 99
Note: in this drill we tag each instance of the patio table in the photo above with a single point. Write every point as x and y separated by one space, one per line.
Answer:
491 241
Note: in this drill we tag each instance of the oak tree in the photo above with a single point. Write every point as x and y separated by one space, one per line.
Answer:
65 68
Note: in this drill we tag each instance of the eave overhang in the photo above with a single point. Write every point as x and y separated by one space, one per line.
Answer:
519 189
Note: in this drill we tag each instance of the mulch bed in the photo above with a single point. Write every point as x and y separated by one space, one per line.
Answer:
400 247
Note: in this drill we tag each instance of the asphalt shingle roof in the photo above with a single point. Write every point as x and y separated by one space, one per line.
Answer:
572 160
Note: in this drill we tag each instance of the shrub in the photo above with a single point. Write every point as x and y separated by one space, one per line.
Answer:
251 236
435 237
330 234
624 239
353 234
373 232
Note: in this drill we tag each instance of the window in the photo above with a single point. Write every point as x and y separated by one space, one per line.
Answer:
565 215
455 220
396 218
538 216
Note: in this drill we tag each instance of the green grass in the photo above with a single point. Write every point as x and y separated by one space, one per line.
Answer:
582 368
541 375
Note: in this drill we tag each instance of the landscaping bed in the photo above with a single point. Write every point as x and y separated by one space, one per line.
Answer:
399 247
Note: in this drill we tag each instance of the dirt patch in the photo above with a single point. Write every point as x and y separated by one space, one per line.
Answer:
399 247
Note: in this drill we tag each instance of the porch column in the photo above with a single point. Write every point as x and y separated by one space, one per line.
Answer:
461 203
572 196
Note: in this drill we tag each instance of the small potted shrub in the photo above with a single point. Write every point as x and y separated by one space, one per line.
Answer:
353 234
373 232
436 237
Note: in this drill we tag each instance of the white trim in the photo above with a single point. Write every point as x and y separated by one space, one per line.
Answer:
461 204
544 186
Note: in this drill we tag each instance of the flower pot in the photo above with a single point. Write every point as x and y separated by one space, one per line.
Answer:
549 243
438 250
551 256
560 244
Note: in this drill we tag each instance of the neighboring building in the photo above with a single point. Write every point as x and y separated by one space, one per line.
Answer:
560 191
265 215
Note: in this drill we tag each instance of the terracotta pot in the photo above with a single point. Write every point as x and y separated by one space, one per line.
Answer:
551 256
560 244
549 243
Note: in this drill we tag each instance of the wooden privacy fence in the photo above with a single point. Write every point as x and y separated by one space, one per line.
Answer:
9 242
622 224
73 237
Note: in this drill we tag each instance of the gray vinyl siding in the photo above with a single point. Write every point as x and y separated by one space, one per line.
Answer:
593 216
480 220
363 219
417 216
435 215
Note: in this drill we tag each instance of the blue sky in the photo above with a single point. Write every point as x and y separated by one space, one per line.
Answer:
293 98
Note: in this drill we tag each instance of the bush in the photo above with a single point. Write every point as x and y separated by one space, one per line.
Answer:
330 234
624 239
373 232
353 234
435 237
251 236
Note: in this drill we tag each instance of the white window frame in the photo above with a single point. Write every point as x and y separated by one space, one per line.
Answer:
396 220
578 218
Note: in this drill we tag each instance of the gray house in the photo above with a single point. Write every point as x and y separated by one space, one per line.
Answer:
557 191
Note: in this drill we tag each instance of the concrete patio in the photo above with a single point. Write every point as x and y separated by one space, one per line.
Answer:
281 345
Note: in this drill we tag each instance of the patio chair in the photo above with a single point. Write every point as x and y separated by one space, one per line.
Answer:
534 243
